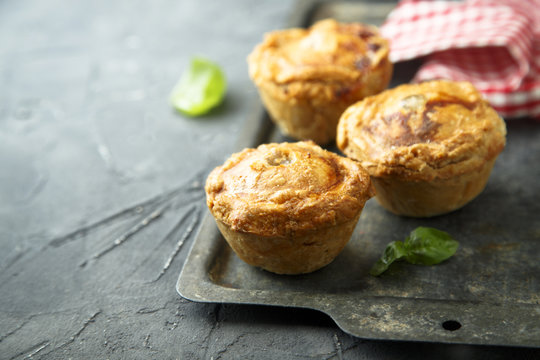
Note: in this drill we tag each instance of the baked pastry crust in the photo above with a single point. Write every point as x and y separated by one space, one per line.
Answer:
437 132
308 77
289 207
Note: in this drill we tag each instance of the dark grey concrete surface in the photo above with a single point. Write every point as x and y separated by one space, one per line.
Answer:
101 188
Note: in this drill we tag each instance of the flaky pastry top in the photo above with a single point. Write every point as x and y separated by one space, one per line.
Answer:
328 50
285 189
435 129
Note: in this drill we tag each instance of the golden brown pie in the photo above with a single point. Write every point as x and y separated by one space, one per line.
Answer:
429 147
307 77
289 208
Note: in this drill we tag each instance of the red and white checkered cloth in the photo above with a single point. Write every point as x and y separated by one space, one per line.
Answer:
495 44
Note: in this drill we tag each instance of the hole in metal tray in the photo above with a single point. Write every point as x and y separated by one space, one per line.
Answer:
451 325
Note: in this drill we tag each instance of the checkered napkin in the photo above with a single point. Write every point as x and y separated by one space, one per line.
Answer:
495 44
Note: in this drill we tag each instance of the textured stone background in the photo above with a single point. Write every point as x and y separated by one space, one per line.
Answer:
100 181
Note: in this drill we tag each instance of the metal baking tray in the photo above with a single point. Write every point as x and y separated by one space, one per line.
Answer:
488 293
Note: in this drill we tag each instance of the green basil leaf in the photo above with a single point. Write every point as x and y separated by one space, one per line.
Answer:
424 246
200 88
394 251
429 246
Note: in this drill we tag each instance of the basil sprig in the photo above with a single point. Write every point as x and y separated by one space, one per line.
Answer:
424 246
200 88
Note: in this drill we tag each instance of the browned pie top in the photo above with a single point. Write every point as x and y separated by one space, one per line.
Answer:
328 51
287 188
434 129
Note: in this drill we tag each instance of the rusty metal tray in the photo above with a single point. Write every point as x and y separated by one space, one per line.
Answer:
488 293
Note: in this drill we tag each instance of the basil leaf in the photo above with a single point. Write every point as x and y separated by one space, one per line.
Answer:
394 251
424 246
200 88
429 246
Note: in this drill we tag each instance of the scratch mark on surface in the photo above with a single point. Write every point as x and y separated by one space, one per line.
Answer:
33 350
74 337
205 342
146 310
14 259
171 234
43 346
136 209
193 184
20 326
128 234
180 243
91 319
178 224
173 324
30 317
150 311
354 346
339 351
343 350
220 353
146 341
